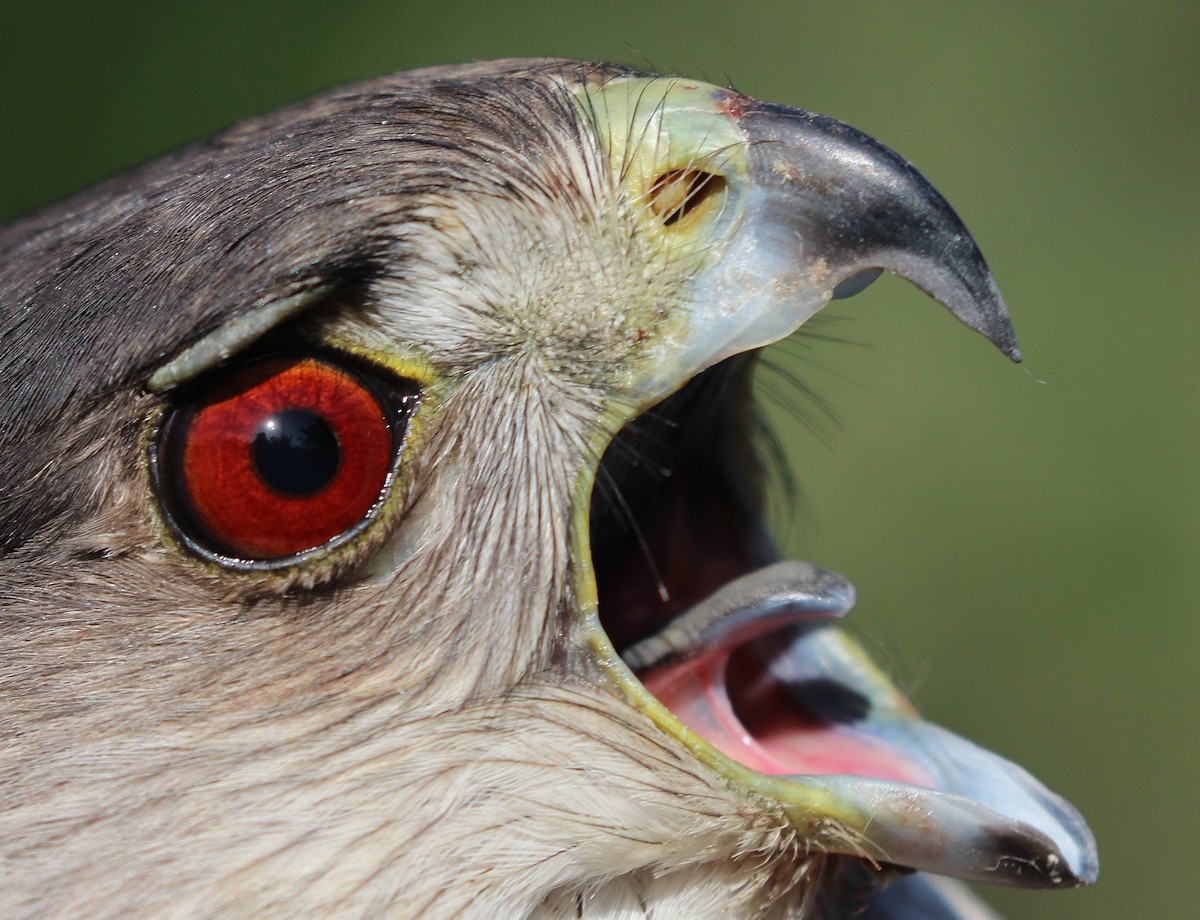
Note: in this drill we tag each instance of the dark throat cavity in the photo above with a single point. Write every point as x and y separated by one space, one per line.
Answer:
677 508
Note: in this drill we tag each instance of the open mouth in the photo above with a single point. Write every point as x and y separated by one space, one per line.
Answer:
732 651
741 649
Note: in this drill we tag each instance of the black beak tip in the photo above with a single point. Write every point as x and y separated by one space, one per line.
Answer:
998 328
1006 341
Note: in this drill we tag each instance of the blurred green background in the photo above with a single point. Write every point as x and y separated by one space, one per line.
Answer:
1024 539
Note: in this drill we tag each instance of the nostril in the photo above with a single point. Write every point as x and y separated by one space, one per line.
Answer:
680 194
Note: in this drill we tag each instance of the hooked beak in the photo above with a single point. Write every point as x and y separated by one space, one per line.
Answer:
811 209
847 207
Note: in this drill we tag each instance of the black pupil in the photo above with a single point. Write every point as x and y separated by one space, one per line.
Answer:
296 452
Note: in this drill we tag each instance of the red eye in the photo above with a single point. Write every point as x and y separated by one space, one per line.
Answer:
280 456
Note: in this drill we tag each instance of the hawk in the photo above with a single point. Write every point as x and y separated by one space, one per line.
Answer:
381 524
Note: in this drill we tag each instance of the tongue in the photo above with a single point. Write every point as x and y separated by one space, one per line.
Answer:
759 672
762 602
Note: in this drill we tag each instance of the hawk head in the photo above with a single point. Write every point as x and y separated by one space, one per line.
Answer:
382 525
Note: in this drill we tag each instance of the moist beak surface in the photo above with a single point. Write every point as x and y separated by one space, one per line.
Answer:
757 679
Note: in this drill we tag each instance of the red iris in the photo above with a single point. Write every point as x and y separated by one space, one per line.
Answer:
282 455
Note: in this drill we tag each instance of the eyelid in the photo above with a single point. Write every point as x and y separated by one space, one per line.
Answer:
232 337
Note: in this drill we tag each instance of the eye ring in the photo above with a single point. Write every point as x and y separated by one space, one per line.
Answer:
281 457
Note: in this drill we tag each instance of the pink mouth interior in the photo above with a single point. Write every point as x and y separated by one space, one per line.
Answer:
734 704
699 531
